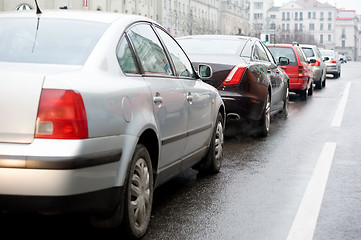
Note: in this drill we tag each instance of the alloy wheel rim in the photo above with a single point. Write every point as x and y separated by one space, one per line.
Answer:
219 142
268 114
140 193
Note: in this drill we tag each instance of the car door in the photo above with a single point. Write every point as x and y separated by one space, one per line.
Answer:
168 93
279 83
269 69
199 102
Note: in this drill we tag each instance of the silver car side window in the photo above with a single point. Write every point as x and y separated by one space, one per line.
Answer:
149 50
126 58
182 64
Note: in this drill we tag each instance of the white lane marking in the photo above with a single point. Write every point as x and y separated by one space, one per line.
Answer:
337 119
304 224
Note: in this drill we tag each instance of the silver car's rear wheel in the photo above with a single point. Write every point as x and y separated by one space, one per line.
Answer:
139 193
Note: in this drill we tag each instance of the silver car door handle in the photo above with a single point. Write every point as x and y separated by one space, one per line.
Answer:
189 97
157 99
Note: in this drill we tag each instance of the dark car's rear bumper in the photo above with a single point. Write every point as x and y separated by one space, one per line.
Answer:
240 106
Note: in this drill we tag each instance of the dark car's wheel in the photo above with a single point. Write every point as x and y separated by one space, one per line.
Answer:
286 100
138 193
265 121
212 162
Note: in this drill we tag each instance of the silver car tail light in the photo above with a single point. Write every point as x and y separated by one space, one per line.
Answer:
61 115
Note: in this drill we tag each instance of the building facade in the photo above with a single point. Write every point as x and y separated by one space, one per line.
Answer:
258 19
347 34
180 17
304 21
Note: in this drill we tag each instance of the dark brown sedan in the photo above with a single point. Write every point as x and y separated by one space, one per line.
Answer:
246 75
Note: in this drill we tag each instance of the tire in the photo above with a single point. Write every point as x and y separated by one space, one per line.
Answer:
286 100
265 122
304 95
319 84
310 90
138 193
212 162
324 83
140 173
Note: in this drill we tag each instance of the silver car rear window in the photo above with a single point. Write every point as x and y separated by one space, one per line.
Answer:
51 41
308 51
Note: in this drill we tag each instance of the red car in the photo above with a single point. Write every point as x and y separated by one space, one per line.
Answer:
297 68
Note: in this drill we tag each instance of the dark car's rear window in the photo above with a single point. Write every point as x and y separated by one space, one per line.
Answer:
212 46
287 52
44 40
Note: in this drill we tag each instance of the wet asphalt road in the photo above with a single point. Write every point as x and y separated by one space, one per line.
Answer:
262 182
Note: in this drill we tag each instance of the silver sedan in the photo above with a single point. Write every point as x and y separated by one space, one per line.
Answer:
98 109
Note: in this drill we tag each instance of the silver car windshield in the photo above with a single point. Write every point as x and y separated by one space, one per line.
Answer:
51 41
212 46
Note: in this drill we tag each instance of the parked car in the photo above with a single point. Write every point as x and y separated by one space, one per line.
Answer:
318 66
251 84
298 69
342 58
97 110
332 61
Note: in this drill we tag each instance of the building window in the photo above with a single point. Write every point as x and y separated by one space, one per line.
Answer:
258 16
309 15
329 37
321 38
283 16
343 43
321 16
296 15
330 26
314 15
329 16
258 5
321 26
312 26
343 33
301 16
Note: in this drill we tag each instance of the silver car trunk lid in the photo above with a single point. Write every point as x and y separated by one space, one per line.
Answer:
20 89
19 100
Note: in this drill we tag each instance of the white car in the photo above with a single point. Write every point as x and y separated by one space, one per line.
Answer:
98 109
332 61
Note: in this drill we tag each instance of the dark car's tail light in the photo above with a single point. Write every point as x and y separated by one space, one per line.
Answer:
235 76
332 61
316 64
61 115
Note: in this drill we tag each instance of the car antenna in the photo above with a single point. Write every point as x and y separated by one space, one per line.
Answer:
38 11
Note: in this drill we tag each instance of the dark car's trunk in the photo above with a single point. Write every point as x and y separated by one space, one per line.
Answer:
221 66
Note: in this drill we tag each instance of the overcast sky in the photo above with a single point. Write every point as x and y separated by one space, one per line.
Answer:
346 4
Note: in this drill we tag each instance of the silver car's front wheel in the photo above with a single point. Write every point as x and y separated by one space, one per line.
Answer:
139 193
